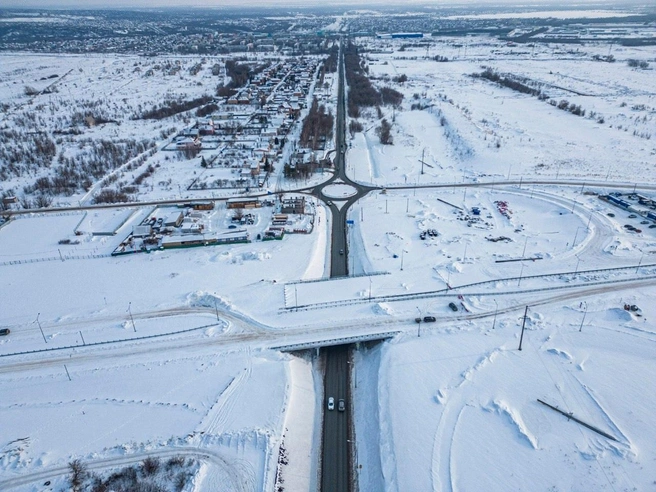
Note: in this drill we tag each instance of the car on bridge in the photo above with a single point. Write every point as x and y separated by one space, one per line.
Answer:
331 403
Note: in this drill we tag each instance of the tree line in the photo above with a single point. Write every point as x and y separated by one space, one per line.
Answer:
316 124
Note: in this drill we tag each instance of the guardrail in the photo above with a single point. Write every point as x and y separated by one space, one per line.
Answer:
448 291
56 258
331 342
107 342
314 280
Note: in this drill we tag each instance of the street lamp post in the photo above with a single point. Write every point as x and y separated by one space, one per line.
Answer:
640 262
576 235
41 329
584 313
520 275
496 309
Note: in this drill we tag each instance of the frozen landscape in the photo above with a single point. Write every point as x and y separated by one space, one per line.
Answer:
169 239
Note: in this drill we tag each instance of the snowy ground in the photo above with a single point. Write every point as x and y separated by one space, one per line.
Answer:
449 409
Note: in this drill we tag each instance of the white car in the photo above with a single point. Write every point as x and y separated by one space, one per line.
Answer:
331 403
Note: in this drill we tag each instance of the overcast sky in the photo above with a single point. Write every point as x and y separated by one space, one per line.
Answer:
254 3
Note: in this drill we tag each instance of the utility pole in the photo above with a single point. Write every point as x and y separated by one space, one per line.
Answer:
584 313
39 323
134 327
422 160
496 309
521 338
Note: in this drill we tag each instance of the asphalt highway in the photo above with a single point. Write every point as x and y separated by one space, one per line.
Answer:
335 452
335 463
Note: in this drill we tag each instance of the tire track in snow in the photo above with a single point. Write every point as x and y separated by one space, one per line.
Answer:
219 416
442 447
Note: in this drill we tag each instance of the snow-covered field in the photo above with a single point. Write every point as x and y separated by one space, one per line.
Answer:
172 351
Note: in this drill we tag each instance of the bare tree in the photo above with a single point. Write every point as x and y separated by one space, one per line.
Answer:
384 132
78 473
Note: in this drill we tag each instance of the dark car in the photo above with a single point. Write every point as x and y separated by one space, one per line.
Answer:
341 252
341 406
453 306
4 331
417 320
429 319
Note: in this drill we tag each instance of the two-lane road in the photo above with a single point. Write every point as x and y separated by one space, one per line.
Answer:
336 465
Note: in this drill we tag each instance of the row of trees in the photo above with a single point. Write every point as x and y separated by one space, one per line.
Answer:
151 475
637 63
171 107
521 84
518 84
361 92
565 105
317 124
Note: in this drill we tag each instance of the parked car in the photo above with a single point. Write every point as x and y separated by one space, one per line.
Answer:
331 403
341 406
417 320
429 319
632 216
4 331
453 306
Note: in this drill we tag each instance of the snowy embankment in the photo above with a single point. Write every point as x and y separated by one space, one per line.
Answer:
299 453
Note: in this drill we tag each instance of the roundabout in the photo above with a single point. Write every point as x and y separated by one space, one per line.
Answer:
339 191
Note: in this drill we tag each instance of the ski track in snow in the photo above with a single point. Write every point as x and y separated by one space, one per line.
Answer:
452 463
219 415
442 444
